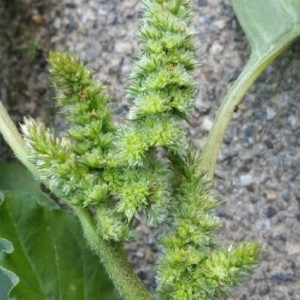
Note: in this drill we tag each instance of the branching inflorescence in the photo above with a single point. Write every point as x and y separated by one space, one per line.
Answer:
116 171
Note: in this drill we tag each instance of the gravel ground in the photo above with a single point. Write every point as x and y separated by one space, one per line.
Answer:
258 171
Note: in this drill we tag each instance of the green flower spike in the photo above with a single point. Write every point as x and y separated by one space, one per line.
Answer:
161 86
192 265
85 104
73 166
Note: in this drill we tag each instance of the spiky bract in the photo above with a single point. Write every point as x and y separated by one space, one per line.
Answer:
161 85
192 266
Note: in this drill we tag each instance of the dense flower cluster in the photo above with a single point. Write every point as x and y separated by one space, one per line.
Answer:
162 88
192 265
146 167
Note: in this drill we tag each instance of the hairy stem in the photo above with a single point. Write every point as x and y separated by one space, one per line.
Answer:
14 139
114 260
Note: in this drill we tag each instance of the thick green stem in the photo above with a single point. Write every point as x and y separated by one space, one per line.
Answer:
233 98
254 67
14 139
115 261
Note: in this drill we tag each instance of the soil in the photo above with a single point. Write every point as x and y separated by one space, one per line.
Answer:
257 177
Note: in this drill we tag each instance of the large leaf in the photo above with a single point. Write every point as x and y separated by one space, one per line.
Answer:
270 26
46 250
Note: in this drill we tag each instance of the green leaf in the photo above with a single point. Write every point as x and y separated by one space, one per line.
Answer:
270 26
14 177
44 249
7 279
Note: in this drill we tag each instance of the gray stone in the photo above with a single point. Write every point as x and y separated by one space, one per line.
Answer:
246 180
271 113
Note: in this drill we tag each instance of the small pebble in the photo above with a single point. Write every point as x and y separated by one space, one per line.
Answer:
220 24
140 254
286 197
269 144
207 123
249 130
263 289
284 277
202 2
216 49
271 196
37 19
293 121
271 113
57 23
270 212
246 180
